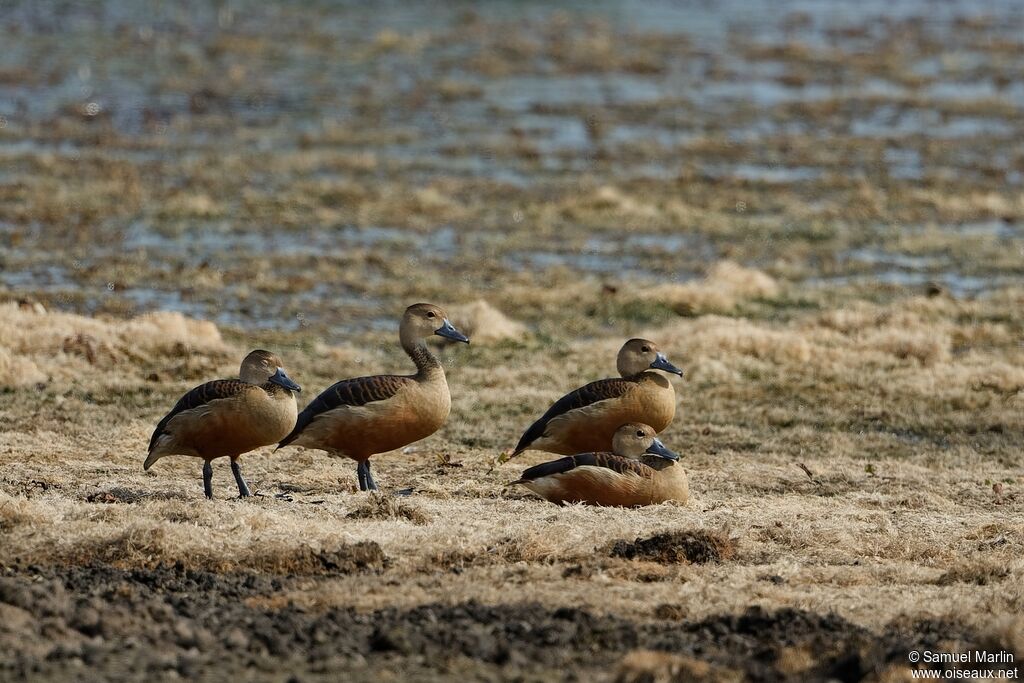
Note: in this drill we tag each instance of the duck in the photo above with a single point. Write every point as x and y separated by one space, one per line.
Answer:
585 420
229 417
361 417
639 471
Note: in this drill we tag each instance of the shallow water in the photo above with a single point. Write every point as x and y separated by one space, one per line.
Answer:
243 162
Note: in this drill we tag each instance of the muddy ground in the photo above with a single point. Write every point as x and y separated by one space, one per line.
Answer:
815 209
137 624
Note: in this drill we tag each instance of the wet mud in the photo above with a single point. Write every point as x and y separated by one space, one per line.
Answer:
90 622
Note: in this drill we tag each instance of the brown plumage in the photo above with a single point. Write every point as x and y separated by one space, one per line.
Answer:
639 471
586 419
229 417
357 418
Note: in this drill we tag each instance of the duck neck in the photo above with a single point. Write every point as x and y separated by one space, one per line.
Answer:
275 390
660 465
671 483
652 376
427 364
639 376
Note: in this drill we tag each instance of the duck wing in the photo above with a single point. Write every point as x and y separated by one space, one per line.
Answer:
601 390
353 392
610 461
195 398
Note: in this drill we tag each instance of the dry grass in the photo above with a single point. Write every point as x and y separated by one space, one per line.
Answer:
381 506
39 347
807 221
647 666
902 440
485 324
724 287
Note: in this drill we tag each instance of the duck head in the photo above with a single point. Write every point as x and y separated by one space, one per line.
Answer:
425 320
635 440
638 355
263 366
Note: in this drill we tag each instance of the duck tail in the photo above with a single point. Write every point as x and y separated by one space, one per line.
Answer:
287 441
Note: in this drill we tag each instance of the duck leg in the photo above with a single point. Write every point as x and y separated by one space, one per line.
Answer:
371 485
243 488
361 470
208 479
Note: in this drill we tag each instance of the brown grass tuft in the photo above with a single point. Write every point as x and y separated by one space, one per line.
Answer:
648 666
978 573
714 336
925 347
485 324
36 346
14 512
17 371
381 506
1007 635
722 289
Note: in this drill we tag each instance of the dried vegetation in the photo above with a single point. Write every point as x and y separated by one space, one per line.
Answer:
817 215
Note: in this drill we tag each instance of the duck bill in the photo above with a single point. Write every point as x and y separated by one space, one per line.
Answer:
658 448
661 363
448 331
284 380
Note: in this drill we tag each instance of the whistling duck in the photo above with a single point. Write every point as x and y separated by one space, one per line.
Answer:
357 418
229 417
638 471
585 420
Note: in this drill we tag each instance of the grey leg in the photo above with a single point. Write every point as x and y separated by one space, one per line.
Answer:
243 488
208 479
361 473
371 485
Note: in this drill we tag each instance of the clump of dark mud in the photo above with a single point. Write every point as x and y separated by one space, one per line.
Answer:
116 494
350 558
670 612
678 547
145 624
388 507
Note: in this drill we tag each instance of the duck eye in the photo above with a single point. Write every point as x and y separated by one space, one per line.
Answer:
640 434
430 314
645 349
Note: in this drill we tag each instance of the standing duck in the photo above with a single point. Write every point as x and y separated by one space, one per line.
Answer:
357 418
586 419
229 417
638 471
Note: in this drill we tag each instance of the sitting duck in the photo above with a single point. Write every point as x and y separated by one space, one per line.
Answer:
640 470
587 418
